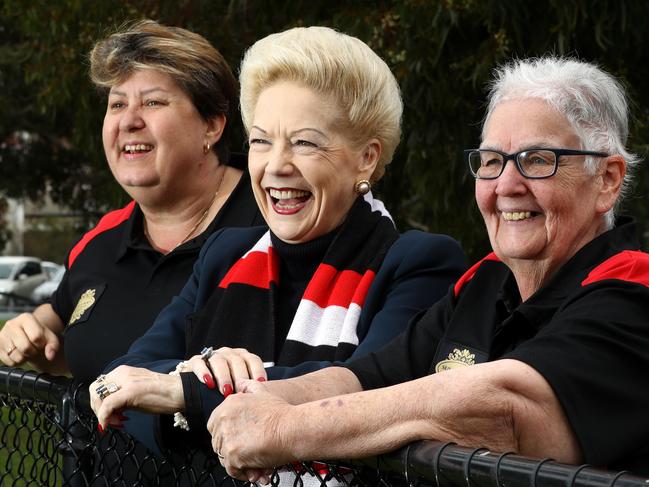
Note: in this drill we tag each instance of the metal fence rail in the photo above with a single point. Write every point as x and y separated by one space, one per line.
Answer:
48 438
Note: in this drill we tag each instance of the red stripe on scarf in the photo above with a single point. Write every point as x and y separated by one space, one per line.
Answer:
108 221
256 269
331 287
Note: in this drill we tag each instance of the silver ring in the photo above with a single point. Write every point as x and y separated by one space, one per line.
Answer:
105 390
206 353
11 349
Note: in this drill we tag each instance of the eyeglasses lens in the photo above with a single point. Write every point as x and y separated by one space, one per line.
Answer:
537 164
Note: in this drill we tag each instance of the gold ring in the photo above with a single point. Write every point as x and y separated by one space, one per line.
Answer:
11 350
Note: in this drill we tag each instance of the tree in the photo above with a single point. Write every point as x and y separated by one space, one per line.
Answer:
442 52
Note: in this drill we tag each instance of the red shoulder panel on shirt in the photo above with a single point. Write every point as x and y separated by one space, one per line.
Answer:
468 275
628 265
108 221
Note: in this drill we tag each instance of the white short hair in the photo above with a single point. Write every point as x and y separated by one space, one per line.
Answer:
593 102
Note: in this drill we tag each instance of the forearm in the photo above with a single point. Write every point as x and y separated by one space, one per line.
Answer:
332 381
475 406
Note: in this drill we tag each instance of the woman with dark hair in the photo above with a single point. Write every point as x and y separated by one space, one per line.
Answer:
170 99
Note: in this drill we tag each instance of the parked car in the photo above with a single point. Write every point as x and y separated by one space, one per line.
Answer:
19 276
51 268
43 293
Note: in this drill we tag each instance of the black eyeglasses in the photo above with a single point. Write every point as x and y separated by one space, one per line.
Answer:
535 163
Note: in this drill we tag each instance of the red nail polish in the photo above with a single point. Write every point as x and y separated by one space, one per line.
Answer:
100 429
261 379
227 390
209 382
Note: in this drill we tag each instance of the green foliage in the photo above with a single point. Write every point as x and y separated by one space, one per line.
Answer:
442 52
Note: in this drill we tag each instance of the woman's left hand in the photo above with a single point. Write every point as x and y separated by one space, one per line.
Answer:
227 366
247 432
134 388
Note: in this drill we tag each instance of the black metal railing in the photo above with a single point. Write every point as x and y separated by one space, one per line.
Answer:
48 438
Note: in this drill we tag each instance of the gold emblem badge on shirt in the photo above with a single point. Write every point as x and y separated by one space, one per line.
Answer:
457 358
86 300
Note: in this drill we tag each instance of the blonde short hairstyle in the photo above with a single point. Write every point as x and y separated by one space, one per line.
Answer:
191 61
333 64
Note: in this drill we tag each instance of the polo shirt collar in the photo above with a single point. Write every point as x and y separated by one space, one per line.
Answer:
134 239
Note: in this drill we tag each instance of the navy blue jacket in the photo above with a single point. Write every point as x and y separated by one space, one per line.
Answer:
416 272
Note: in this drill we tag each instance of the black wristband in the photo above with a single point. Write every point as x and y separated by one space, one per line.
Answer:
193 403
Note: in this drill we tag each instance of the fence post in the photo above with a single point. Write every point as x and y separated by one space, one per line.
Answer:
76 448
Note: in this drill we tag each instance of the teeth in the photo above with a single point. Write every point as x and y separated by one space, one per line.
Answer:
516 215
287 194
137 147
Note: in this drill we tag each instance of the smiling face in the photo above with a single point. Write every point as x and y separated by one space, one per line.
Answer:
153 135
545 220
302 167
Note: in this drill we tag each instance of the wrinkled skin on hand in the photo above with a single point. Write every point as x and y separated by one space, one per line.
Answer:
249 433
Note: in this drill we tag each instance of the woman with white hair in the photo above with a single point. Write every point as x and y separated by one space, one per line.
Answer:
332 279
540 348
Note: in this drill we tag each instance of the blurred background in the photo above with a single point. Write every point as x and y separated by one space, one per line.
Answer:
54 182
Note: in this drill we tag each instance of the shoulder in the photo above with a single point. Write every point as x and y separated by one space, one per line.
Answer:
415 247
108 222
231 241
482 265
629 266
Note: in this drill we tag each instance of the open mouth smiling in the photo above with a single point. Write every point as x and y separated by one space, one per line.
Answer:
510 216
288 200
137 148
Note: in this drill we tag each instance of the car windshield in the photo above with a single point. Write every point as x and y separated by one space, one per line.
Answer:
5 270
59 274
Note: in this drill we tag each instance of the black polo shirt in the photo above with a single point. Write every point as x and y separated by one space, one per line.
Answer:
586 331
116 283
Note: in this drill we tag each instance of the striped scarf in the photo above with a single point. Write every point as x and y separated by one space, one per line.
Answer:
325 323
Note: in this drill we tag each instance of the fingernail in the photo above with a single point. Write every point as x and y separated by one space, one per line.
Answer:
261 379
209 382
227 390
100 428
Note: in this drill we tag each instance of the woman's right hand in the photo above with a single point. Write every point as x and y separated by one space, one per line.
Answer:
227 366
27 337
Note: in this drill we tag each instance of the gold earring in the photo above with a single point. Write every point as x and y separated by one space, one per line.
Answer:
362 187
206 147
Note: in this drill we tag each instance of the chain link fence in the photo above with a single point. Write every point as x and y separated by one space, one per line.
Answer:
48 438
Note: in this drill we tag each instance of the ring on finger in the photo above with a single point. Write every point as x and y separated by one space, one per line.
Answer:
206 353
11 349
105 390
101 378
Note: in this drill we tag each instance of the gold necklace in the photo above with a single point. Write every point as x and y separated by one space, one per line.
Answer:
198 223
